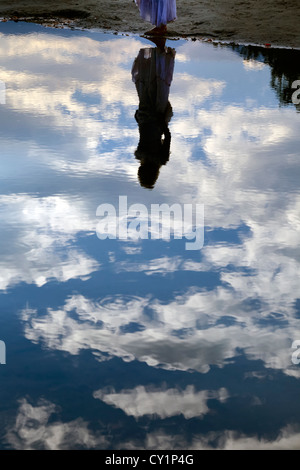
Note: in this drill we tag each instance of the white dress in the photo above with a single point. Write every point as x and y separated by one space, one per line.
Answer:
157 12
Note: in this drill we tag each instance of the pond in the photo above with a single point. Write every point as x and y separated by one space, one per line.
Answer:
115 335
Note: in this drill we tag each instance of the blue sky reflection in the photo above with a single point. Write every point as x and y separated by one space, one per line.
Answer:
207 332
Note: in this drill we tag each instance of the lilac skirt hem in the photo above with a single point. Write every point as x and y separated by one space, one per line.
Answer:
157 12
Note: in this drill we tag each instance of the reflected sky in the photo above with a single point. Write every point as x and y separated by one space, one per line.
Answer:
158 347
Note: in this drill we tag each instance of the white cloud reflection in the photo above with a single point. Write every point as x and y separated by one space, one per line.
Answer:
288 439
185 334
239 160
35 429
141 401
41 232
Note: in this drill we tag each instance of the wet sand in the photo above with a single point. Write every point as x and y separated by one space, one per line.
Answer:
274 22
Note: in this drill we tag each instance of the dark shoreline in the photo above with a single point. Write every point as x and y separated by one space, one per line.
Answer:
271 24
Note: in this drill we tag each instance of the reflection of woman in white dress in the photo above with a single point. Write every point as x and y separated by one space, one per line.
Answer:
157 12
152 73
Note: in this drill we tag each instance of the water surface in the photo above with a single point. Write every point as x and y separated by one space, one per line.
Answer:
141 343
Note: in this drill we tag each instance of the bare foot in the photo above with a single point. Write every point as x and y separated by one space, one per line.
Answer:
158 31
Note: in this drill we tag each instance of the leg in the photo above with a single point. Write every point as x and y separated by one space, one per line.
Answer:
157 31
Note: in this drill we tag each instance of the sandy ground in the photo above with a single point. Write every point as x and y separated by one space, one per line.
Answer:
253 21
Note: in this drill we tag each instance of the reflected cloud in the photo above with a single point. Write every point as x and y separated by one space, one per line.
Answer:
39 230
288 439
228 150
253 65
67 141
162 403
35 429
68 102
189 333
